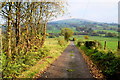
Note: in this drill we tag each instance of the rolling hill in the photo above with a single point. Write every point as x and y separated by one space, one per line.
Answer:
55 26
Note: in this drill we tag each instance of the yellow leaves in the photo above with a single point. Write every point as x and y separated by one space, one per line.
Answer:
70 70
23 33
12 19
47 34
12 2
86 37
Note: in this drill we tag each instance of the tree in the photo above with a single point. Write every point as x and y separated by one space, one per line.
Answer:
27 24
51 10
67 33
6 9
110 35
25 31
86 37
94 34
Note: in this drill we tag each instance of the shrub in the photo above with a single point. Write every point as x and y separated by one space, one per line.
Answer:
109 64
86 37
89 52
90 44
94 34
107 61
61 42
74 39
80 43
12 68
110 35
96 56
67 33
51 36
98 44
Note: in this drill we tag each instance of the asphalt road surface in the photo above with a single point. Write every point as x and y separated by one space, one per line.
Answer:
69 65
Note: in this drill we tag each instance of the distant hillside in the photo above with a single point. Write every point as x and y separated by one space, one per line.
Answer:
73 23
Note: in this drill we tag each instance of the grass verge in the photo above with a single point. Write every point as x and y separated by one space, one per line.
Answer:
43 64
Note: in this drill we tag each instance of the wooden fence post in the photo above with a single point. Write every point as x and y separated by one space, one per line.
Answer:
105 45
118 47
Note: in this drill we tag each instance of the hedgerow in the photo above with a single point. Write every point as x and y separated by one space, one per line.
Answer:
106 61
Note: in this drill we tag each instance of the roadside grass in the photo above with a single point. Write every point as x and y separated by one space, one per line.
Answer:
55 51
111 44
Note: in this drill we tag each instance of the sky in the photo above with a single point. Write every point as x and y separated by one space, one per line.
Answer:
94 10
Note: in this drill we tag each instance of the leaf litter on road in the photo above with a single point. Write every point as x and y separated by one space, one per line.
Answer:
70 70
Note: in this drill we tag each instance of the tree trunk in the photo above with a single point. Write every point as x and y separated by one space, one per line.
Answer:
27 38
18 24
44 34
1 40
9 32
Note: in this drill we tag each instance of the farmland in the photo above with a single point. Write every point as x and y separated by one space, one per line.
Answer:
112 43
112 31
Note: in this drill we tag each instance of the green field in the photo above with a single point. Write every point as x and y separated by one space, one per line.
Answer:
53 31
111 31
112 43
59 31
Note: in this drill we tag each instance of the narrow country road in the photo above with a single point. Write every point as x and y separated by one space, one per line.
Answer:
69 65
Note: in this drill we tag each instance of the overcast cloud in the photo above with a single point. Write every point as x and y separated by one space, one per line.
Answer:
95 10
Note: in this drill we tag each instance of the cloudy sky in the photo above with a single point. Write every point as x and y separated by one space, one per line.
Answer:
95 10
